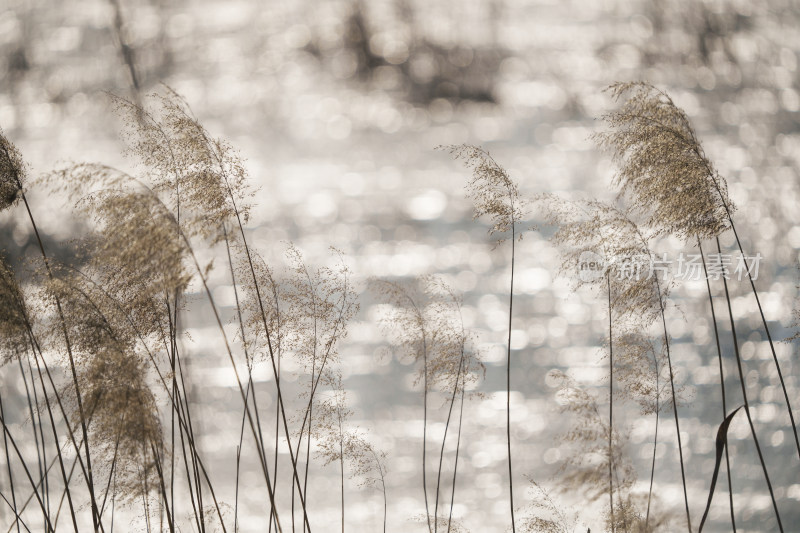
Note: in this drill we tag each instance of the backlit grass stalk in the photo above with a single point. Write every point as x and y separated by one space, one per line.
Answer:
10 473
496 195
674 404
610 405
744 397
655 447
721 379
231 177
453 347
411 323
36 421
664 171
16 175
455 463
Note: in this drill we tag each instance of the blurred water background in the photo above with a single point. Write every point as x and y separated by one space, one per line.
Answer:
337 107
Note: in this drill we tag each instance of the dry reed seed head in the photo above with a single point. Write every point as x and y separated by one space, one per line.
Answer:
94 323
13 315
636 369
268 298
330 425
606 234
212 514
337 442
319 305
663 169
123 407
125 428
544 515
491 189
203 177
442 523
139 240
137 245
627 516
404 321
117 399
137 256
425 322
12 173
136 253
451 361
642 372
366 462
586 444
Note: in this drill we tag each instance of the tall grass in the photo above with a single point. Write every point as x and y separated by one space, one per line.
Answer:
496 195
97 342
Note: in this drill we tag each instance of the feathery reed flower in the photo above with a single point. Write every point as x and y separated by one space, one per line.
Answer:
125 427
639 368
135 250
587 465
663 169
12 172
495 194
202 178
492 190
545 516
121 409
13 322
424 322
604 230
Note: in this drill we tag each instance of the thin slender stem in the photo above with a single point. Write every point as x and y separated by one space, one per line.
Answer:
37 350
653 466
7 433
39 447
446 428
721 380
341 460
238 459
17 517
455 465
610 407
46 479
674 403
769 339
11 475
89 478
508 378
425 428
744 397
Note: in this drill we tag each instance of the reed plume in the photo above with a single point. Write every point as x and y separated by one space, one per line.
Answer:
666 176
497 196
636 298
545 515
13 326
12 173
425 321
662 169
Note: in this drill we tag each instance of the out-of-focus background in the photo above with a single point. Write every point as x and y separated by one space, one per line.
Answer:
337 107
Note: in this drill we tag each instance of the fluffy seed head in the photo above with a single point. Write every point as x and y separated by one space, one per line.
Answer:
491 189
663 170
13 330
12 172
